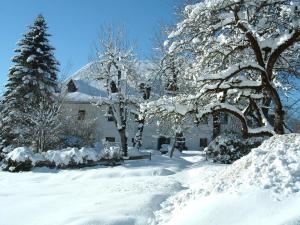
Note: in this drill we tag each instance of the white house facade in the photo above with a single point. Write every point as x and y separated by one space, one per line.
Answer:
82 93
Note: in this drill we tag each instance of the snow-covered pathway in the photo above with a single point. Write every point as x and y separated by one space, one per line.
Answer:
122 195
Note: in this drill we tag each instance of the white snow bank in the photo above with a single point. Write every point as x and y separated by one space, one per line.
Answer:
274 165
234 209
271 170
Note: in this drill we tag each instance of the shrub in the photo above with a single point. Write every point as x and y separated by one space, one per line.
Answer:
4 151
73 141
21 159
230 147
24 159
111 153
78 134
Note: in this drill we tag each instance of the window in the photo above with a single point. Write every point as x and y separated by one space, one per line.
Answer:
203 142
223 118
204 120
110 114
136 117
81 114
113 87
110 139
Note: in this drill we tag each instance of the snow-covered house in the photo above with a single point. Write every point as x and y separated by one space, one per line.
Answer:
82 93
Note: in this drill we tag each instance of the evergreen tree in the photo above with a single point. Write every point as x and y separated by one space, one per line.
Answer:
32 80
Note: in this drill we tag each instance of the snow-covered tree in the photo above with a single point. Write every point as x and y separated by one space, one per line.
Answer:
170 68
145 88
45 127
117 70
179 81
243 53
173 125
31 84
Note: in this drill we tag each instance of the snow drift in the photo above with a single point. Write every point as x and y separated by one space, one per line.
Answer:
271 170
274 165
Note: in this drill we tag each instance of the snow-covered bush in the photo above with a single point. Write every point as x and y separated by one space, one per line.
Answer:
2 156
111 153
229 147
21 159
4 151
71 157
24 159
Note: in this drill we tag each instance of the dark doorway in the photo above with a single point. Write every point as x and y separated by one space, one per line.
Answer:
162 140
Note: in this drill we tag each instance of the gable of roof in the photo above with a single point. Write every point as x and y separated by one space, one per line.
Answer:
71 87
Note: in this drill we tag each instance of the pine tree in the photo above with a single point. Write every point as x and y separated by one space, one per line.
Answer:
32 80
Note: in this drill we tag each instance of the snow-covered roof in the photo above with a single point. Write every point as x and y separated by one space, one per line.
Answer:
89 72
83 90
86 86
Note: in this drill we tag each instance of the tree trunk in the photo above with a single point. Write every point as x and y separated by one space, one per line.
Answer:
146 89
138 136
216 124
173 148
279 120
177 143
124 144
180 142
279 112
217 119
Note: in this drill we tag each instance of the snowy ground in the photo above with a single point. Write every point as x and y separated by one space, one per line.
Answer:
160 191
126 194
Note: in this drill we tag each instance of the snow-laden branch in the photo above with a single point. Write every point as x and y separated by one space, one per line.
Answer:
267 129
232 71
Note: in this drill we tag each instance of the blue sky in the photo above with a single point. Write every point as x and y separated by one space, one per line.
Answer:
75 25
